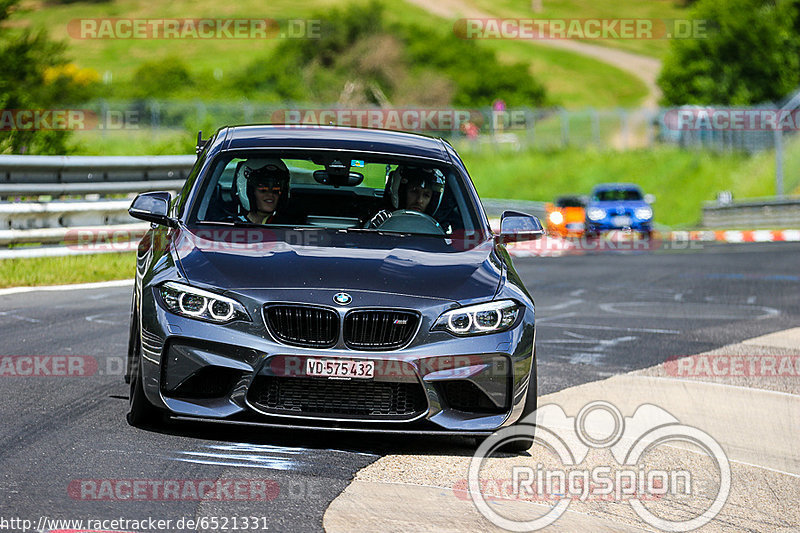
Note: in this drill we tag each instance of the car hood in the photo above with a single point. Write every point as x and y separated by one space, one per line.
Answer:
612 206
282 259
572 214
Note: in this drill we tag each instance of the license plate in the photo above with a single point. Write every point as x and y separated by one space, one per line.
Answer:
621 221
577 226
340 368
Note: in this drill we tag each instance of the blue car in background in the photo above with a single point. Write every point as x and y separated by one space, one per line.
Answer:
619 206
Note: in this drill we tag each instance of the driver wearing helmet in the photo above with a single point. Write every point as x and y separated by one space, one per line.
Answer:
413 189
267 188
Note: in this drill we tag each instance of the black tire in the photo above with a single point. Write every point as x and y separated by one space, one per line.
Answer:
142 413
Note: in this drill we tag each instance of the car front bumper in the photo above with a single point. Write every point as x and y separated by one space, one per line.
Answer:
239 373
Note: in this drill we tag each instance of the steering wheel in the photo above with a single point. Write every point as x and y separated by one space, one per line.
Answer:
411 221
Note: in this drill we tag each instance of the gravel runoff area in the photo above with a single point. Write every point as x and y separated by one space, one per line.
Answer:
755 418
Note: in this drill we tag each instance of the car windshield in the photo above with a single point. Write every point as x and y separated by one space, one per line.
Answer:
618 195
569 201
334 190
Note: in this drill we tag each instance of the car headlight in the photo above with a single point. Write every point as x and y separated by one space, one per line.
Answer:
596 213
643 213
556 217
192 302
491 317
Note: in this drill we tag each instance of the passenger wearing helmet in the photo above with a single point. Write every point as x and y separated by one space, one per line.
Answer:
411 188
266 190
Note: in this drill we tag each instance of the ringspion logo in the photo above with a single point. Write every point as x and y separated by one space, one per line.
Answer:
631 477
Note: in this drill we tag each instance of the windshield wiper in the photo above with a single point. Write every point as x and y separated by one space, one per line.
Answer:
382 232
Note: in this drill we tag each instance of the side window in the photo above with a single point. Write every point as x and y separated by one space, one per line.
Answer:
180 201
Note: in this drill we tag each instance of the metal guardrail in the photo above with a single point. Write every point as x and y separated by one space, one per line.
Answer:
33 221
754 213
24 179
33 175
494 207
10 190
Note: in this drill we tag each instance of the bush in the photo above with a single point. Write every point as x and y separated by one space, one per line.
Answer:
28 57
751 54
156 79
360 51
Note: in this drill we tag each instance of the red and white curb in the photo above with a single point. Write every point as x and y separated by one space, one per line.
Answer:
785 235
555 246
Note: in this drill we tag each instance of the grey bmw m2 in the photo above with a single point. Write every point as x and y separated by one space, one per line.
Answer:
330 278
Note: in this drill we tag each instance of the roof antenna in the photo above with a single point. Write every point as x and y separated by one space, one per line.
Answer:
201 144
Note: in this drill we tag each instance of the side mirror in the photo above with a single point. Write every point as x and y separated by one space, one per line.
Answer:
153 207
650 198
515 227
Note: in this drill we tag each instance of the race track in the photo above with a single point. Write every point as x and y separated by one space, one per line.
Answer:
597 316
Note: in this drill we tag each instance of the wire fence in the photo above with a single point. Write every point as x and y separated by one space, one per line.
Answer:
748 129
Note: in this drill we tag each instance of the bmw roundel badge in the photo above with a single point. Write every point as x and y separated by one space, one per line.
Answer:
342 298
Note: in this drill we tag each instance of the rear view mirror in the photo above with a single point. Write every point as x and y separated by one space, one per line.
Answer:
650 198
352 179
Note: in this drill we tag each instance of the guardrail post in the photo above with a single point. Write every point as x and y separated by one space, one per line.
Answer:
595 117
778 160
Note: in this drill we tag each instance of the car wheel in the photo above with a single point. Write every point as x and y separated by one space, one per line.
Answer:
142 413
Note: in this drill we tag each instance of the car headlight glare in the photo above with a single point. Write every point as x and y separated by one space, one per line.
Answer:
596 213
556 217
491 317
643 213
197 303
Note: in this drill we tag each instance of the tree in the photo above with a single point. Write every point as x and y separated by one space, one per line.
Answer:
750 54
33 77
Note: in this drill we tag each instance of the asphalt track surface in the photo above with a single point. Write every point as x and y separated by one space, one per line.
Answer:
597 315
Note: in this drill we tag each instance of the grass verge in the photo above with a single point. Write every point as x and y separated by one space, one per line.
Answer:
656 10
681 179
572 80
35 271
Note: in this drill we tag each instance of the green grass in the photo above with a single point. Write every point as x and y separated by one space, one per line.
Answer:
69 269
592 9
681 180
572 80
134 142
